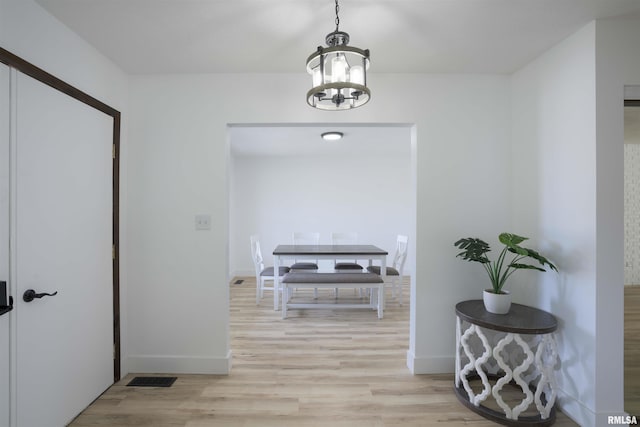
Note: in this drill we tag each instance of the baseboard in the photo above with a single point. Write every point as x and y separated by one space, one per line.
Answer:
179 364
430 365
586 417
575 409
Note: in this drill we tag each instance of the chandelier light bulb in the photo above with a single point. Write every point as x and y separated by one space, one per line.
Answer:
357 74
317 77
339 69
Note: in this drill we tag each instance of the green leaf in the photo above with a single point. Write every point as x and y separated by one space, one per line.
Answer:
542 260
474 249
526 267
510 239
518 250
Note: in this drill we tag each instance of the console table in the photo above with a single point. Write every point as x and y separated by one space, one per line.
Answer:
510 354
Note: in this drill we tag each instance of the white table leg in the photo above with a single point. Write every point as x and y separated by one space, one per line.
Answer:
285 292
383 273
276 281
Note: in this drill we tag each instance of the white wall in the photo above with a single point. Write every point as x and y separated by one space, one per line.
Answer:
554 201
370 194
30 32
568 194
617 65
178 302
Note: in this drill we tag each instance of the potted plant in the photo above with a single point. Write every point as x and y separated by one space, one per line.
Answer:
474 249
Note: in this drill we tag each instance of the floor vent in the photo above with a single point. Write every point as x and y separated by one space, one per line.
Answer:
238 282
152 382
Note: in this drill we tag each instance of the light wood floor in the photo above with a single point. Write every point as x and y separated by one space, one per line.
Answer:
318 368
632 350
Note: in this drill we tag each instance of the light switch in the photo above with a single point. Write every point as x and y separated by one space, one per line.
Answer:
203 222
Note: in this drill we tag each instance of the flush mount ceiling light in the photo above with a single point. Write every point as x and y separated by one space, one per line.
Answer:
339 73
332 136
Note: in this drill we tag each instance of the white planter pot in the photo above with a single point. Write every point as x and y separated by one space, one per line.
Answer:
496 303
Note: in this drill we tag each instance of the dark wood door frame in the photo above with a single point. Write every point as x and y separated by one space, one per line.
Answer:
39 74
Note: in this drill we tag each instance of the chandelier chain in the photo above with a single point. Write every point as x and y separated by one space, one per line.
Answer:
337 17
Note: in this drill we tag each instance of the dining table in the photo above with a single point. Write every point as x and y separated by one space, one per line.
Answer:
371 253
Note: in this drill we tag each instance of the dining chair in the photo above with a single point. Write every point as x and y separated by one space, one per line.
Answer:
264 274
305 238
345 266
350 238
397 266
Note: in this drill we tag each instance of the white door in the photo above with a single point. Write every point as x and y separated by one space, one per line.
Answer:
63 230
4 242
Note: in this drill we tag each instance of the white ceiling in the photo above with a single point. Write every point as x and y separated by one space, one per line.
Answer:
263 36
434 36
360 140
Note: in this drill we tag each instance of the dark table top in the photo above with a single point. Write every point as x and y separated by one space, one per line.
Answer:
521 319
329 250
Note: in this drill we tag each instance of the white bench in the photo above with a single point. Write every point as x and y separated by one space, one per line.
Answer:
333 281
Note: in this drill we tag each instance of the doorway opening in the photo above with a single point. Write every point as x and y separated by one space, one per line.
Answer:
632 256
285 178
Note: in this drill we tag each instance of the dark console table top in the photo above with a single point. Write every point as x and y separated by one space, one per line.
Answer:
521 319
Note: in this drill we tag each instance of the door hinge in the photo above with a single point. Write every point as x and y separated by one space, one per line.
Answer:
113 251
114 351
113 151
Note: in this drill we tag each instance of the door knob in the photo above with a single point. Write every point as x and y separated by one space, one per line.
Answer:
29 295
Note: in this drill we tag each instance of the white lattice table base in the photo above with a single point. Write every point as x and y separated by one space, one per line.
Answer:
508 363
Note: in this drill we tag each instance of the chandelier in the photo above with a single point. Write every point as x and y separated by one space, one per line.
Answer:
339 73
